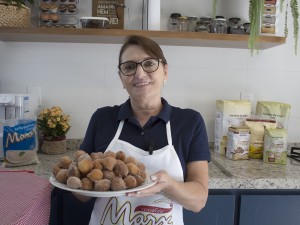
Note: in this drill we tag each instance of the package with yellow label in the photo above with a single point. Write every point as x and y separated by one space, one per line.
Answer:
257 125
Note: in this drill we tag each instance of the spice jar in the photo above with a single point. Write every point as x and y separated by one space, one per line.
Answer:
192 23
173 21
204 24
182 25
219 26
235 26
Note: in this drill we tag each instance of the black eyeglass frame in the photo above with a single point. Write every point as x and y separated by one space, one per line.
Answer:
141 64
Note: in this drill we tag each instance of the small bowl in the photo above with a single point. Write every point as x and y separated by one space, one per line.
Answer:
94 22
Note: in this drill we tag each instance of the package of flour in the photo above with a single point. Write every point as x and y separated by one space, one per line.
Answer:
229 113
275 110
257 125
20 142
275 146
238 143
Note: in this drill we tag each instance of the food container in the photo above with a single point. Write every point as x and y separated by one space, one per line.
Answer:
94 22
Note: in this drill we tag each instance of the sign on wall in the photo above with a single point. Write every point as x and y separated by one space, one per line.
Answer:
111 9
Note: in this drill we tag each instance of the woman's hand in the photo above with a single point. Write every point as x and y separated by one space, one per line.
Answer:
161 178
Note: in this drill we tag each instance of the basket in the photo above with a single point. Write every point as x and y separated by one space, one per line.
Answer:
54 147
14 16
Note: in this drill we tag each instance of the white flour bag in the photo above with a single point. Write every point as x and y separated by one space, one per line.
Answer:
229 113
20 142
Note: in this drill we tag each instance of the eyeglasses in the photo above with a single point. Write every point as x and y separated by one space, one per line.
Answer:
149 65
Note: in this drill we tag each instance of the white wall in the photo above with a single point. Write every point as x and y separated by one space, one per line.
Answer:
82 77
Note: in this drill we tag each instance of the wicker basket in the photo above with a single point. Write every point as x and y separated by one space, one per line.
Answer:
13 16
54 147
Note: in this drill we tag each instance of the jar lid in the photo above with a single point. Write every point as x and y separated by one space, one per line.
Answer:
175 15
183 18
192 18
220 19
234 20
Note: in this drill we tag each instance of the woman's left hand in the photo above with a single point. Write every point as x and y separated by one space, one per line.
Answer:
161 178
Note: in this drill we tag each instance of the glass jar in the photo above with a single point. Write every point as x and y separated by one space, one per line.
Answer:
173 21
235 26
246 28
182 25
204 24
219 26
192 23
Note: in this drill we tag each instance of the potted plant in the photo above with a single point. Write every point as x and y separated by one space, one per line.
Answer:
53 126
15 13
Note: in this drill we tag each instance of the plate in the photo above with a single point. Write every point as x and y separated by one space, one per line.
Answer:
146 184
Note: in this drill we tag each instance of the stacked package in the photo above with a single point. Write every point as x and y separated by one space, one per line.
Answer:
269 20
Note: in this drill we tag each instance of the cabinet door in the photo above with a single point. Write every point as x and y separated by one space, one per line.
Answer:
270 209
219 210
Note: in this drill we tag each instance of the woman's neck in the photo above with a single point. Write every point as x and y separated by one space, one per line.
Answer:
143 111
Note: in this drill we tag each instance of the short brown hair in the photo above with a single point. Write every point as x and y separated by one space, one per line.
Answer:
147 44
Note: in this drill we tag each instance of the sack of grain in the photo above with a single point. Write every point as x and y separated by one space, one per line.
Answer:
229 113
275 110
275 146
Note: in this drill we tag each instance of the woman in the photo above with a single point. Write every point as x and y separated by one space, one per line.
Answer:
171 142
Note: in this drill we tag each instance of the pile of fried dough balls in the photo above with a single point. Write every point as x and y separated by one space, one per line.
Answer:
109 171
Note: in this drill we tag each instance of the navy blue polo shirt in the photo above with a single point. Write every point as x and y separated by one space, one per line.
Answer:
188 131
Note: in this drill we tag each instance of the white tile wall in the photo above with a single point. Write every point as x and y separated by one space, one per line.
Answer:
82 77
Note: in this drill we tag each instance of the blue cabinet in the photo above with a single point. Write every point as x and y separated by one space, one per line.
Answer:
219 210
270 209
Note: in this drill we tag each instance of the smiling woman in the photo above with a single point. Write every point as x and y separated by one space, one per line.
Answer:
171 142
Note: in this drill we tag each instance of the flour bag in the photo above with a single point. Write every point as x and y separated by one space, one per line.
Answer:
20 142
275 110
229 113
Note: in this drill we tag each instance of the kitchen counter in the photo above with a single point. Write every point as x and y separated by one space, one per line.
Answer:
223 173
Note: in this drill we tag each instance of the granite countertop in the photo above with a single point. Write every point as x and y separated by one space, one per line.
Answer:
223 173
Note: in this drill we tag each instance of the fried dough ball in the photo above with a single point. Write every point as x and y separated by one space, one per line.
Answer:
143 174
96 155
130 159
74 183
139 180
109 153
84 156
62 176
64 162
130 181
133 169
87 184
109 163
102 185
120 155
121 170
77 154
141 166
73 171
95 175
85 166
55 169
117 184
108 174
97 164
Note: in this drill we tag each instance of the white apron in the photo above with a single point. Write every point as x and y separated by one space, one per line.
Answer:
157 209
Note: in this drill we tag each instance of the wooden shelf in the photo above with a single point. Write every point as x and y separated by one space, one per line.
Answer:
115 36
